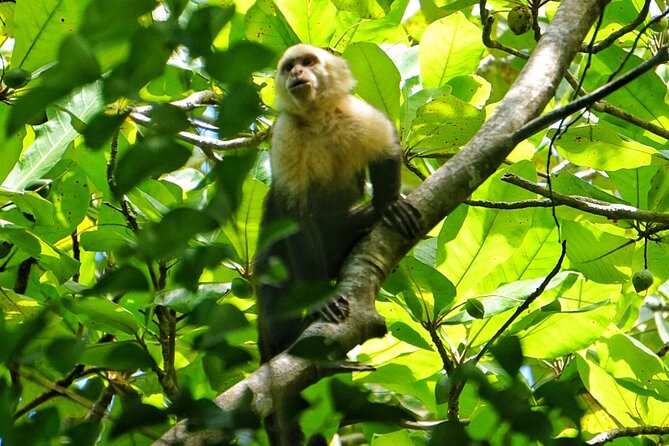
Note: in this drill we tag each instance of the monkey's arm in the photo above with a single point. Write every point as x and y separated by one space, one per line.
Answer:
385 175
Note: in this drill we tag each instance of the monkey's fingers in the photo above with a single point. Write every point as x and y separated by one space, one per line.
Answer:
335 311
403 218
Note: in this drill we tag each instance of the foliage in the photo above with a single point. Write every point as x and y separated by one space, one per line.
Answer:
127 228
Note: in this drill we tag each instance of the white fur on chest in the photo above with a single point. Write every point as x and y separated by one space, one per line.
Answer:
327 148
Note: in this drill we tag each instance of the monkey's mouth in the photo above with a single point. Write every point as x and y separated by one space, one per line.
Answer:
299 84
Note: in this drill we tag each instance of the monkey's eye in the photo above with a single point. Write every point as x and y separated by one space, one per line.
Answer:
287 67
308 61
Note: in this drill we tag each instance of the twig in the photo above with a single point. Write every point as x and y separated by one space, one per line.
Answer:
525 305
606 437
544 121
605 107
510 205
611 39
612 211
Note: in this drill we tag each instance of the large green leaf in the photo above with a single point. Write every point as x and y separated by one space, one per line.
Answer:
125 355
265 23
600 147
634 364
600 256
11 144
40 27
102 314
486 239
378 78
53 138
311 21
71 197
449 47
444 124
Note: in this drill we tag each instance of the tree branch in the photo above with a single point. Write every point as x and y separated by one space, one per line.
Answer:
612 211
376 256
606 437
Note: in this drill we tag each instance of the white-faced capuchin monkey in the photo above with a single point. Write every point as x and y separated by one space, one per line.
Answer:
322 143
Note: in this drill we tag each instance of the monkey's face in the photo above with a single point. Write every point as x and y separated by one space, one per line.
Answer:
308 77
300 76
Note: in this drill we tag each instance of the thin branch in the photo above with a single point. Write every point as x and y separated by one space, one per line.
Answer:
605 107
487 20
525 305
613 211
607 437
611 39
544 121
511 205
195 100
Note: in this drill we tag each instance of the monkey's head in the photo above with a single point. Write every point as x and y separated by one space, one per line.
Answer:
307 76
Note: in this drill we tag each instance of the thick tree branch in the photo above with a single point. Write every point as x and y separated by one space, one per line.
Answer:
375 257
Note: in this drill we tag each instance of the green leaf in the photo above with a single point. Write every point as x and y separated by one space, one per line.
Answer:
508 354
31 203
601 148
104 21
478 258
63 353
641 97
150 157
170 236
150 50
600 256
53 137
378 80
634 365
41 25
224 66
119 281
77 66
449 47
70 196
12 143
507 297
194 261
583 317
123 355
102 127
168 119
238 109
311 21
184 301
264 23
103 314
203 27
444 124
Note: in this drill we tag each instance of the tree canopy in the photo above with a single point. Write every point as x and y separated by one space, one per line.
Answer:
133 166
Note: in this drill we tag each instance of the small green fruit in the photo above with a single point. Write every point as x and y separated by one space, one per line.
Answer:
642 280
16 77
475 308
5 248
241 288
442 391
519 19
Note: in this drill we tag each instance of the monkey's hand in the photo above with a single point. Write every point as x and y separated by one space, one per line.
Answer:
335 311
403 218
